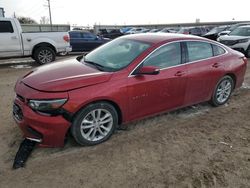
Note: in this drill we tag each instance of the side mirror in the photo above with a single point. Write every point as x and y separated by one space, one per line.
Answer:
79 58
148 70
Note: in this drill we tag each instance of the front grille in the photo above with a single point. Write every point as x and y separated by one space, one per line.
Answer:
229 42
17 112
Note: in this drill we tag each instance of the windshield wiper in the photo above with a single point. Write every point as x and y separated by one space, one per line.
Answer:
96 65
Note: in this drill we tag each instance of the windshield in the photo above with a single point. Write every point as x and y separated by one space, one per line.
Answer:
217 30
241 31
233 27
116 54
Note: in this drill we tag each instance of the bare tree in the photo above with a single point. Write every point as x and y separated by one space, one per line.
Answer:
44 20
26 20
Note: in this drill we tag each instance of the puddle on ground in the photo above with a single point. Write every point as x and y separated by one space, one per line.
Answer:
21 66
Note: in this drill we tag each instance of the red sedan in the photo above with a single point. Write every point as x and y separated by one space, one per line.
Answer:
126 79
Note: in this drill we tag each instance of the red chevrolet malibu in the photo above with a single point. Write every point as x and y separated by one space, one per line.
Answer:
126 79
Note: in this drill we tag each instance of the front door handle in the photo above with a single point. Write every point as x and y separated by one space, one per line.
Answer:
216 65
179 73
14 37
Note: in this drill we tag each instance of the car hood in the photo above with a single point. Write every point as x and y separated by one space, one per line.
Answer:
224 32
233 37
64 76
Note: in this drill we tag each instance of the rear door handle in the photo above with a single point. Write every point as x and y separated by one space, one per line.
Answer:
179 73
216 65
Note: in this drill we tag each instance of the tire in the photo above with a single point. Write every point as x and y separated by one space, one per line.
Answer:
222 91
44 55
248 52
88 128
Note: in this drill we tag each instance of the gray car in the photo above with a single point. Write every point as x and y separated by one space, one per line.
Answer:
238 39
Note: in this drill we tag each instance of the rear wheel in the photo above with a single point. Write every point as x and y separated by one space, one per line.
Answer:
94 124
44 55
222 91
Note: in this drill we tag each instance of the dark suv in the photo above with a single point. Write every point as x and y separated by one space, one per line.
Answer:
112 34
199 31
84 41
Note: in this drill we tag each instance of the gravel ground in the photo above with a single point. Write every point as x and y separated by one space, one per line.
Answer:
200 146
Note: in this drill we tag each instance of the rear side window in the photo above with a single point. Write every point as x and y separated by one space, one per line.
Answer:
217 50
199 50
6 27
75 35
195 31
166 56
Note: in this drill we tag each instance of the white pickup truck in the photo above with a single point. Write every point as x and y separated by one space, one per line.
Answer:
41 46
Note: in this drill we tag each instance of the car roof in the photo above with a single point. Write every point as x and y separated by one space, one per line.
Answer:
155 38
244 23
245 26
79 31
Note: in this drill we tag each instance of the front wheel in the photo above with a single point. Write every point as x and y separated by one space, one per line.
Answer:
248 52
44 55
94 124
222 91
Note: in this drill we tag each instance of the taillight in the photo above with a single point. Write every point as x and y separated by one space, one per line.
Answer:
66 38
245 59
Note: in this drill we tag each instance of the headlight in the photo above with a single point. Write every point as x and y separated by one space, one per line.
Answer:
46 105
243 40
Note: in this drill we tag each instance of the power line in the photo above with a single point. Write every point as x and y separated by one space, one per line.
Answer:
33 10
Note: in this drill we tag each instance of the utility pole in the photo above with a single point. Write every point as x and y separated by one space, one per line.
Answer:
49 12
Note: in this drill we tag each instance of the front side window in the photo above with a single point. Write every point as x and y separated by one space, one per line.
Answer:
166 56
6 27
117 54
199 50
89 36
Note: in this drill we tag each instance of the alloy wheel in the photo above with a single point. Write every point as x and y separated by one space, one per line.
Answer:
224 90
45 56
96 125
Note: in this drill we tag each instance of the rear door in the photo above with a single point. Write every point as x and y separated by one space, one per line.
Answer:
149 94
204 69
10 40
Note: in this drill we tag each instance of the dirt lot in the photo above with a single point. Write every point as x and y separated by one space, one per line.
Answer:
200 146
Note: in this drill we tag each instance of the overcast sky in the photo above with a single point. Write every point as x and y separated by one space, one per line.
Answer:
90 12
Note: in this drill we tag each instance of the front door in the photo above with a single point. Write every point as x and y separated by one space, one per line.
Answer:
10 40
149 94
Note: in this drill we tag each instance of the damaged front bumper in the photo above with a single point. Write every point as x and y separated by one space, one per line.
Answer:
47 131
